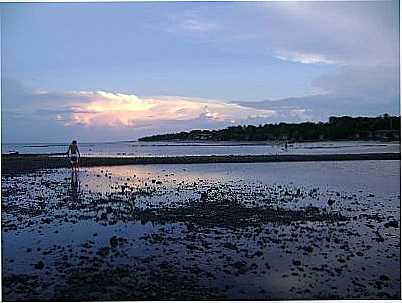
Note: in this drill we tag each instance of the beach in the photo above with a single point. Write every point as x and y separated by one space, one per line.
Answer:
200 151
12 164
274 230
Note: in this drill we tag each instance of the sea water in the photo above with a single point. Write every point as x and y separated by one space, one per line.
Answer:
153 149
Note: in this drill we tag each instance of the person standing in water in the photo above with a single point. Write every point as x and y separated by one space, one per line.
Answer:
74 154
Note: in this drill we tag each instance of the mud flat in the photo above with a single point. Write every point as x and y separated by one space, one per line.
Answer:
26 163
306 230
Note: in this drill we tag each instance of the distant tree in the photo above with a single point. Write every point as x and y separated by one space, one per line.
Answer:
337 128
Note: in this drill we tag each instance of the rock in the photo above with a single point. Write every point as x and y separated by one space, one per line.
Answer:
258 253
204 196
230 246
384 278
379 238
392 223
240 266
39 265
104 251
296 263
46 221
330 202
309 249
114 242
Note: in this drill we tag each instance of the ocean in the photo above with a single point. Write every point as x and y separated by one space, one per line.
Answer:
152 149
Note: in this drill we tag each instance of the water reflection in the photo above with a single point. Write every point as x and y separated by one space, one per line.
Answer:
97 232
75 186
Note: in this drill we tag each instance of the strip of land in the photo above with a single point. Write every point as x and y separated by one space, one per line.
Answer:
12 164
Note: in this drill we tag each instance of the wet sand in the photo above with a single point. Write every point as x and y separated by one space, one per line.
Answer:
306 230
26 163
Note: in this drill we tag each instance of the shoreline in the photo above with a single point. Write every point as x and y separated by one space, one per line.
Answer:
14 164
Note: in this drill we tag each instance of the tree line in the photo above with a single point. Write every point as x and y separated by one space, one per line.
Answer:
384 127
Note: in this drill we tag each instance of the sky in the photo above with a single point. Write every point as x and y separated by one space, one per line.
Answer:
117 71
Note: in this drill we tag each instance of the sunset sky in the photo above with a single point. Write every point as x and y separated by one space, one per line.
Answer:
118 71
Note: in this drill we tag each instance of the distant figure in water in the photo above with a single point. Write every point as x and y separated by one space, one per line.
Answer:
286 145
74 154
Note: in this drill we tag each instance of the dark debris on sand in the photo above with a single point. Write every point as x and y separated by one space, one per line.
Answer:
233 215
202 241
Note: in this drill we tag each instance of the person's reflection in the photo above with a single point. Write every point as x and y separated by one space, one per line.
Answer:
75 186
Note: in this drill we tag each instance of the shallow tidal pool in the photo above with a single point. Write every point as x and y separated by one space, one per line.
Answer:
312 230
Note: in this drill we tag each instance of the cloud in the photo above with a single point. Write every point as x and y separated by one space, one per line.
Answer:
194 25
349 90
104 116
121 110
320 107
191 24
306 58
309 32
373 84
359 41
109 109
361 33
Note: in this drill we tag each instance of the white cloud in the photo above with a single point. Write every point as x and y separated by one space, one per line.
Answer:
40 92
306 58
192 24
101 108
